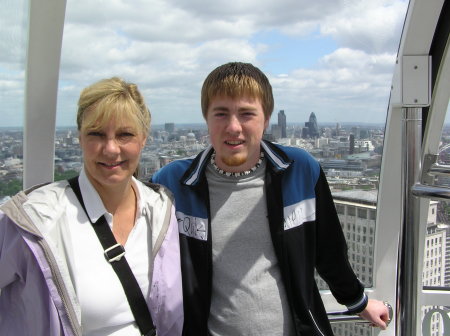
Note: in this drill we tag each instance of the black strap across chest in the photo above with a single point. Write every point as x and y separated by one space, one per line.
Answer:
115 255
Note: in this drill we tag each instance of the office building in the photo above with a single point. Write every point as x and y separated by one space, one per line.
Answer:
282 123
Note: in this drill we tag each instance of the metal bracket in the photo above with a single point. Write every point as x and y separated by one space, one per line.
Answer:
416 80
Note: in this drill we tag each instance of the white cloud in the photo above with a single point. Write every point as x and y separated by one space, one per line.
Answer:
13 33
348 83
261 12
372 25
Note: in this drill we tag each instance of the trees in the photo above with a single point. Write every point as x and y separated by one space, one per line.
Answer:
13 186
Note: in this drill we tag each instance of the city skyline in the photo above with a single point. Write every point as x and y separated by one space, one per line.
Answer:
330 144
333 58
202 125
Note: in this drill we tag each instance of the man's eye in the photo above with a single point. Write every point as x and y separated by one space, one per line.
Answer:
248 114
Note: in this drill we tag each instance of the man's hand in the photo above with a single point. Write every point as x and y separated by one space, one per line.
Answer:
377 313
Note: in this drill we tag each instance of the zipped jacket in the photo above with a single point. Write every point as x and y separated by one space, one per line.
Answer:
38 294
305 231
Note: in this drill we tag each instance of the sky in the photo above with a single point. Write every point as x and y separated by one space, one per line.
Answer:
331 57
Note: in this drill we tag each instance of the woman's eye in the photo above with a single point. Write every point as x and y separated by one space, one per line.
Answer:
94 133
126 135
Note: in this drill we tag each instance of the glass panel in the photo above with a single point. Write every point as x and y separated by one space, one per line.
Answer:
357 213
444 151
330 70
437 243
436 263
67 153
435 321
13 40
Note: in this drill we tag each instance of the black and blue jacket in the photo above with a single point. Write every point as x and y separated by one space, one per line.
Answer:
304 227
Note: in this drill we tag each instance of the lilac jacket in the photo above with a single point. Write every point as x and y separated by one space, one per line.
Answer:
37 292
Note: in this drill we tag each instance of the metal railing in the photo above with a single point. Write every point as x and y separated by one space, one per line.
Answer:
408 256
344 317
426 188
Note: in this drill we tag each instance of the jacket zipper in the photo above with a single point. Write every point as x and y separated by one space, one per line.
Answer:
315 323
59 282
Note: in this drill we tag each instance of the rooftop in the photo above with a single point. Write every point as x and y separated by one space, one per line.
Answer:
360 196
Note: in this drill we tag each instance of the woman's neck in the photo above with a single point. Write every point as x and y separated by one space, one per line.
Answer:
117 197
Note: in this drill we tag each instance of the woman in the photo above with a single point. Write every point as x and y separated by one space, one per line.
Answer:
54 276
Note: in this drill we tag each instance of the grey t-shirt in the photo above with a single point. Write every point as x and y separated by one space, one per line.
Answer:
248 295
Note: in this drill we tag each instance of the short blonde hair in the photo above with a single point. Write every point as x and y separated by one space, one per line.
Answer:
236 79
112 98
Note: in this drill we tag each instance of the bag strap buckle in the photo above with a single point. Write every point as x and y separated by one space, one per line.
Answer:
112 255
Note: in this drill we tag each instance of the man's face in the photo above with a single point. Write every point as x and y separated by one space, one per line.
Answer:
236 127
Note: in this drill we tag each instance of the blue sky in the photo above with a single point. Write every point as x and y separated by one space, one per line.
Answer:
333 58
287 53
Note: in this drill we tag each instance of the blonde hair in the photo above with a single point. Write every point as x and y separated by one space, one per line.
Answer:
112 98
236 79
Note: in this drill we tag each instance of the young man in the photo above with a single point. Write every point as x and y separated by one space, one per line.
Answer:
255 220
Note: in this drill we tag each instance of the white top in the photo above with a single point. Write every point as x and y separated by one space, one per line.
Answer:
104 306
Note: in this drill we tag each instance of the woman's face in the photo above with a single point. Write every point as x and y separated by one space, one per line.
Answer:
111 153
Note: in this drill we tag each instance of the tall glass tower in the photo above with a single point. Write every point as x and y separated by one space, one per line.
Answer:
282 123
313 129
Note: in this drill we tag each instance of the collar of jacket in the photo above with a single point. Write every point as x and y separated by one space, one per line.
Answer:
14 210
277 160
